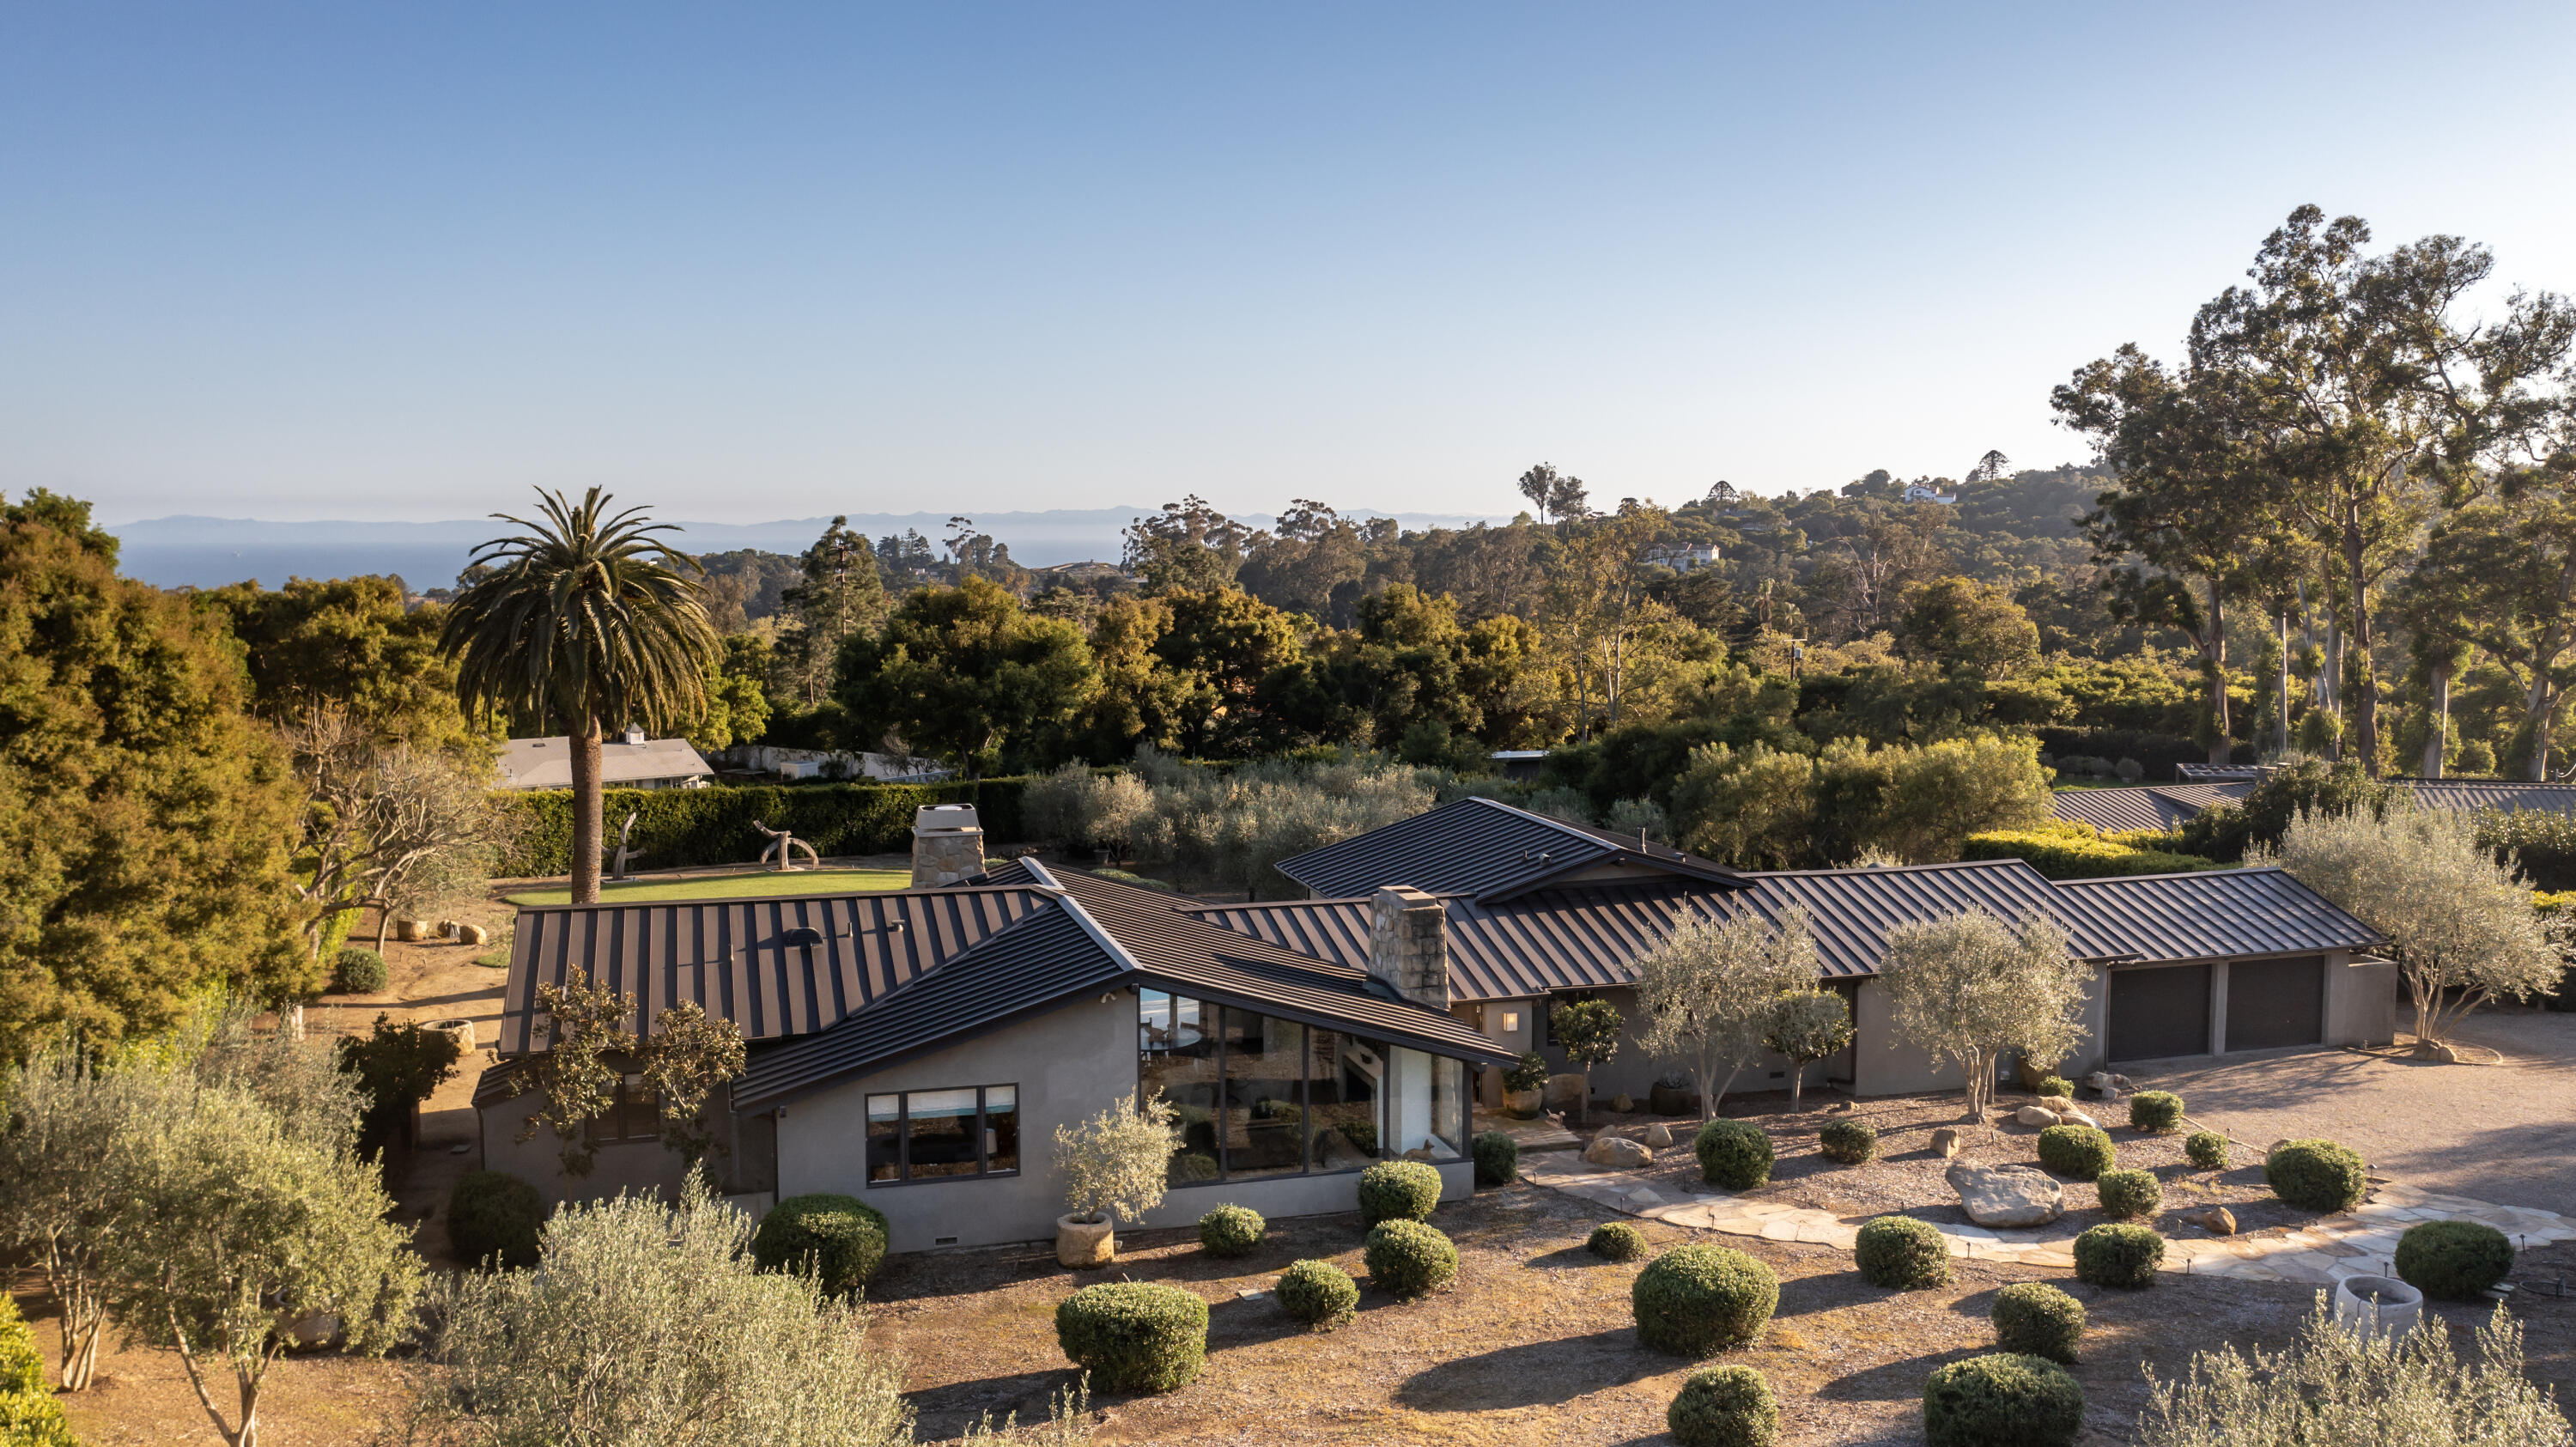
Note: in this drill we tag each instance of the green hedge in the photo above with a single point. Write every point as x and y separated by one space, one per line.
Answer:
686 828
1135 1336
2453 1260
2076 856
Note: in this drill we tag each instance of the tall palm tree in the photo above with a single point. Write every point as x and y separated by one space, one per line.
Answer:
586 621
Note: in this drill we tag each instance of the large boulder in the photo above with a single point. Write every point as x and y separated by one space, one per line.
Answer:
1617 1152
1565 1092
2007 1195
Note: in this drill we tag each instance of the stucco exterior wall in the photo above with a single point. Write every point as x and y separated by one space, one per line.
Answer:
631 1166
2361 1000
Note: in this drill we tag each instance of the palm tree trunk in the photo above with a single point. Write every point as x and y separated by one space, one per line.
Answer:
586 808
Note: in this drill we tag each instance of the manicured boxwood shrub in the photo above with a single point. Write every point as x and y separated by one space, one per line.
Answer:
1693 1300
1728 1406
493 1214
2155 1110
357 970
1735 1154
1134 1336
1231 1230
1498 1158
1903 1253
1319 1294
2073 856
2080 1151
1408 1259
2207 1149
2129 1193
1398 1191
2118 1256
2057 1085
2317 1175
843 1236
2453 1260
2002 1400
2036 1319
1616 1241
1848 1141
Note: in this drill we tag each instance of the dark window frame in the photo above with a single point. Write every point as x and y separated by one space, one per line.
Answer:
984 1169
616 1126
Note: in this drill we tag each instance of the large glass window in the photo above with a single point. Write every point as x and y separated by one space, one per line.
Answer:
1346 1080
1265 1095
933 1135
1177 1055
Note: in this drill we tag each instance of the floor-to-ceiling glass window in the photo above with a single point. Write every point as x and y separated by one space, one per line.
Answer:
1177 1055
1264 1125
1345 1081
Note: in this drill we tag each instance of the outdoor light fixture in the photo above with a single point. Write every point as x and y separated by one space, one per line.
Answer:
1511 1020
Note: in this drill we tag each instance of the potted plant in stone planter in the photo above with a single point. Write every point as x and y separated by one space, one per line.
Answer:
1113 1166
1670 1095
1525 1087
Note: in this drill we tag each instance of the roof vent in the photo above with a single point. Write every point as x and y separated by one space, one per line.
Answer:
803 934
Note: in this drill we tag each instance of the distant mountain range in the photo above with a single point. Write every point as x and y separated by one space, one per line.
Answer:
206 552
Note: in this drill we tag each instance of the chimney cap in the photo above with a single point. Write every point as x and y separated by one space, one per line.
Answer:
945 819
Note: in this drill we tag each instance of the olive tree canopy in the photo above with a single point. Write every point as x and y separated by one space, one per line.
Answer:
1967 988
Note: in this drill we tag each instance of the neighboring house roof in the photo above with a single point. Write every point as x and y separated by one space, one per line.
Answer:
2218 914
2494 794
2154 806
547 763
1484 848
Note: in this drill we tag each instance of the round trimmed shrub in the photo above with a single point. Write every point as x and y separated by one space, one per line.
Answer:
1728 1406
2080 1151
2454 1260
2118 1256
2003 1400
1398 1191
1408 1259
494 1216
1231 1231
2155 1110
1848 1141
1735 1154
1319 1294
357 970
1134 1336
2317 1175
2056 1085
1902 1253
844 1237
2036 1319
2207 1149
2129 1193
1498 1158
1693 1300
1617 1241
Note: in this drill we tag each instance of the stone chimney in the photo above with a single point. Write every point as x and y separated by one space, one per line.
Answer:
947 844
1409 944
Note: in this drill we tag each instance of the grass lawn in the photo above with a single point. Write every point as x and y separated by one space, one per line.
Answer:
729 886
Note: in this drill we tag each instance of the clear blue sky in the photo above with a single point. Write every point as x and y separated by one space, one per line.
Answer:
753 261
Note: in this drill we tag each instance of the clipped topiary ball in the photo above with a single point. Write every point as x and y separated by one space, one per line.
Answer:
2036 1319
1617 1241
1408 1259
2002 1400
2453 1260
1728 1406
2155 1110
2129 1193
357 970
1319 1294
2316 1174
1398 1191
2207 1149
2118 1256
1231 1231
2080 1151
1902 1253
2056 1085
1693 1300
1134 1336
843 1237
1848 1141
1733 1153
1498 1158
494 1217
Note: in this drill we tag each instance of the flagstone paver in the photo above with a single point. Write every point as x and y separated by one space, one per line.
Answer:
2319 1253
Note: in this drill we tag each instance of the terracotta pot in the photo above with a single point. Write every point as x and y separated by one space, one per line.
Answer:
1080 1243
1524 1104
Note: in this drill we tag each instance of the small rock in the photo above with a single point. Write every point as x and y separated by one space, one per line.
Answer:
2274 1146
460 1148
473 934
2102 1083
2216 1220
2034 1115
2126 1085
2007 1195
1565 1091
2077 1117
1947 1142
1251 1294
1617 1152
2439 1052
1624 1103
1659 1135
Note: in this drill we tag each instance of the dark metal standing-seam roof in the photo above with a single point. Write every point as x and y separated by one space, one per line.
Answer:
1475 846
1850 911
2494 794
2218 914
2156 806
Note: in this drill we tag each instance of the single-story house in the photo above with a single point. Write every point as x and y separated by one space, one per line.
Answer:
2167 806
631 761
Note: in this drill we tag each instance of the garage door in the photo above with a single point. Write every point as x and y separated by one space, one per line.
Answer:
2160 1012
2272 1003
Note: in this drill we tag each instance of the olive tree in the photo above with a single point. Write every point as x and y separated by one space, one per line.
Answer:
1588 1032
1968 987
68 1146
1805 1026
1115 1160
647 1323
1709 992
2461 924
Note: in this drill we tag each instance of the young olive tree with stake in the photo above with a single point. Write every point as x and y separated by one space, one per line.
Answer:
1588 1032
1709 992
1805 1026
1969 987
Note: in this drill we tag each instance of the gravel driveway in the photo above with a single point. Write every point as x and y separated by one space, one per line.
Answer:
2502 1133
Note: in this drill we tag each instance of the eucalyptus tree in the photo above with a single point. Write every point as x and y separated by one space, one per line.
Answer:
2502 574
587 621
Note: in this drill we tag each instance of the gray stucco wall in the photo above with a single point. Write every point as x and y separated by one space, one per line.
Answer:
630 1166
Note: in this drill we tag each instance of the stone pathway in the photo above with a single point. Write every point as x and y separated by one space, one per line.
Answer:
1540 1134
2356 1243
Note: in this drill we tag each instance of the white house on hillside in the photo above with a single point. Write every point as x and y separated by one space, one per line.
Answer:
632 762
